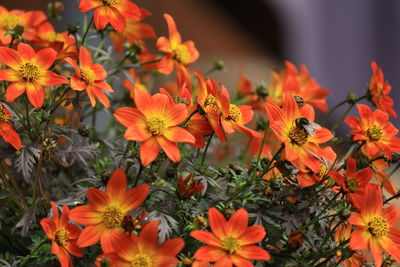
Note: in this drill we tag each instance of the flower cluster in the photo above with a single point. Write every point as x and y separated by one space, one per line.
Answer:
189 174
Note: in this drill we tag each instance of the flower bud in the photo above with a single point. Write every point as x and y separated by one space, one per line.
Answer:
219 64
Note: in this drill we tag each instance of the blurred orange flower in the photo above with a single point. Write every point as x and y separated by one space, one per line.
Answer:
7 129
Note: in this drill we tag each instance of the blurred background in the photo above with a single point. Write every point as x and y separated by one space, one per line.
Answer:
336 40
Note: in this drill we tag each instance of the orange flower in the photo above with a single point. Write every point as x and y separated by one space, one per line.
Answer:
144 250
154 123
298 83
252 97
271 144
209 99
379 90
186 190
13 18
134 31
178 54
104 215
61 42
352 182
375 227
90 77
233 117
63 235
231 242
114 12
294 127
375 131
7 129
29 72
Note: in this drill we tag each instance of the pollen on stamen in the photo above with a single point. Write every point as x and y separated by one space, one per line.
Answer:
28 71
141 260
231 244
112 216
110 2
61 237
234 113
156 125
181 54
298 135
374 134
3 114
87 75
378 226
10 22
210 101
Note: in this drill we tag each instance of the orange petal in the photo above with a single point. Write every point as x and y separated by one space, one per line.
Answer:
9 75
49 78
73 231
116 185
359 239
209 253
373 201
125 247
26 51
99 71
163 45
356 219
86 5
178 134
61 253
174 35
128 10
171 247
176 113
206 237
35 94
89 91
90 235
240 261
237 224
253 253
98 199
143 100
10 57
107 238
128 116
134 197
148 238
218 223
117 20
376 250
166 65
98 92
224 262
102 16
170 148
77 83
10 135
85 215
73 248
137 132
391 214
45 57
252 234
85 59
49 227
148 151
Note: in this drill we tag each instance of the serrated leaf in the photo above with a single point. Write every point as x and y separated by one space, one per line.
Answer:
26 161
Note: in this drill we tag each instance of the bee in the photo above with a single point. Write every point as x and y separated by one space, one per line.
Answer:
299 100
308 126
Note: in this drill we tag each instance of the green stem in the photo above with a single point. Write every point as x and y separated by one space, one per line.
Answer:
206 149
128 146
274 157
352 104
391 198
138 175
25 260
86 31
261 149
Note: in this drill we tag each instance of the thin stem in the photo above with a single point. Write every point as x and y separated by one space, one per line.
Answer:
352 104
37 178
86 31
333 109
128 146
274 157
391 198
261 149
141 168
206 149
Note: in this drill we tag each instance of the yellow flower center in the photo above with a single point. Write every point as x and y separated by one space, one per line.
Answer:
141 260
351 185
53 36
29 71
234 113
61 237
112 216
156 125
322 169
10 22
230 244
110 2
87 75
210 101
181 54
378 226
374 134
298 135
3 115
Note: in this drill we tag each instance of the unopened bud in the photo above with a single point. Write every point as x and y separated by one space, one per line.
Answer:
55 9
351 98
84 130
219 64
73 28
261 90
